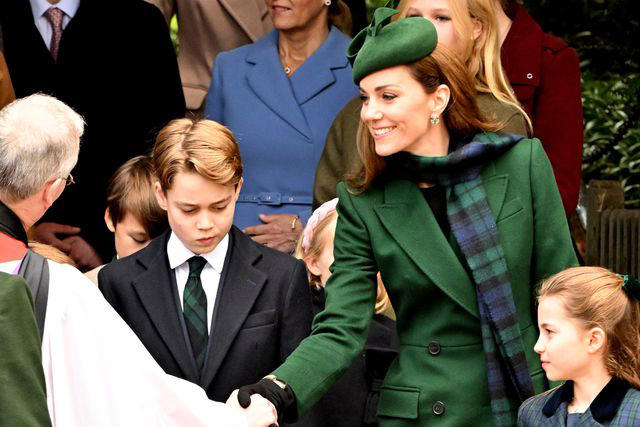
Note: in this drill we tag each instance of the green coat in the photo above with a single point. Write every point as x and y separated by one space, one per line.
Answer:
441 363
23 400
340 154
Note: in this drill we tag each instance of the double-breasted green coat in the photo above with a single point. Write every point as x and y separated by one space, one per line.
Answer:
440 375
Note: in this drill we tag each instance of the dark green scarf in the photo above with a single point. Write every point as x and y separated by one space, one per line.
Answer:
474 227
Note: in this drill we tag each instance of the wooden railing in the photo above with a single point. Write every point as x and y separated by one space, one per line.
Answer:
613 233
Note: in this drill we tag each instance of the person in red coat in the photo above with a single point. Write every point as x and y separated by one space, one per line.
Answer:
545 75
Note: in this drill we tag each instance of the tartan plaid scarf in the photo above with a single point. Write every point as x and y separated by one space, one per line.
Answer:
474 228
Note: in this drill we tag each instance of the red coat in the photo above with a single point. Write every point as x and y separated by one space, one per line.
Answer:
545 75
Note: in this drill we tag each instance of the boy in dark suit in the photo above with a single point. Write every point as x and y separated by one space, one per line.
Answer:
210 305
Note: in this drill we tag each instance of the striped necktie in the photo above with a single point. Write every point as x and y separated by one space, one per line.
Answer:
195 310
55 15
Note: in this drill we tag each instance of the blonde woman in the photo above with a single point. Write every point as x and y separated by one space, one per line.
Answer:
467 27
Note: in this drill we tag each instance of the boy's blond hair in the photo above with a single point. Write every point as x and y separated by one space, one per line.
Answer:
130 191
199 146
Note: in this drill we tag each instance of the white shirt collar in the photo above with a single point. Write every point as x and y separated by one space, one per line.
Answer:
178 253
69 7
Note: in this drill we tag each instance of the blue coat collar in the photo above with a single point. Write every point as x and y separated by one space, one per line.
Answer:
603 408
285 95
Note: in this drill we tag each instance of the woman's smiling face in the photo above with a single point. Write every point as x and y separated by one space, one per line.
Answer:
396 110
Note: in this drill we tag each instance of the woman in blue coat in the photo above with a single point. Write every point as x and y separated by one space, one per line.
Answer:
279 97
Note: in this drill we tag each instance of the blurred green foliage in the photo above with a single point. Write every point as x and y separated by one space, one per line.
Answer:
612 135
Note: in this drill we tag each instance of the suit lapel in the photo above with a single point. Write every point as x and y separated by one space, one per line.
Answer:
248 15
271 85
403 214
239 289
316 72
157 291
404 211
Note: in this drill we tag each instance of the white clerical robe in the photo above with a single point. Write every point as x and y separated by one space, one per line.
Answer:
98 373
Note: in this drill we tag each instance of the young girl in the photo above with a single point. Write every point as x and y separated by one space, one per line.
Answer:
589 321
315 248
352 401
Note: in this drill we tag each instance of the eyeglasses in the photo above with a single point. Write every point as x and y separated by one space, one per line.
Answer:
69 180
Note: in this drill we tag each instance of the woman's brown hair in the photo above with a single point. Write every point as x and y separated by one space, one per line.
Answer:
595 297
462 117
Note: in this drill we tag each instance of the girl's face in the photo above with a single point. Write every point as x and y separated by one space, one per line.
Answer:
438 12
563 344
396 110
320 266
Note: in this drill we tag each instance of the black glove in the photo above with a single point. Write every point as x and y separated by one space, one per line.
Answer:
281 398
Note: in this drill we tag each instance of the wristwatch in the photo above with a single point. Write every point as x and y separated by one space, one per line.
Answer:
278 381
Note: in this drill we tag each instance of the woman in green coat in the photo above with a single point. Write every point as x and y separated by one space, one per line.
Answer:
461 222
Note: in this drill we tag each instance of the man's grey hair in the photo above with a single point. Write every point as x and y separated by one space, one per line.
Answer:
39 141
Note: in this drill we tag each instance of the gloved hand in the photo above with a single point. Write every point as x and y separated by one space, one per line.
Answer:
282 398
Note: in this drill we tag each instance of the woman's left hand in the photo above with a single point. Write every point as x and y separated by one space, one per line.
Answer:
280 232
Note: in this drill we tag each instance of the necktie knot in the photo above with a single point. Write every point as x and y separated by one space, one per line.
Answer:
196 264
54 15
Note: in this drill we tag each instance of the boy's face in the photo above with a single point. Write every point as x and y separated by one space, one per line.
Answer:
130 235
200 211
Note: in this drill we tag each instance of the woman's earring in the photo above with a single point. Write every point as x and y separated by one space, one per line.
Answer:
327 3
435 120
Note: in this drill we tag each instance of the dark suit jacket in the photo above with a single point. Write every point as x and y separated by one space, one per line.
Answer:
116 67
262 312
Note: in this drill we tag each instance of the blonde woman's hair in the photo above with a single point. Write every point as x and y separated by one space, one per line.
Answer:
199 146
482 55
594 296
318 241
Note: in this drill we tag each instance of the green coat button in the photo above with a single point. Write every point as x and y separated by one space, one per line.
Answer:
434 348
438 408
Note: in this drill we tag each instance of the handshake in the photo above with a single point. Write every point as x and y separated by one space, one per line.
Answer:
263 402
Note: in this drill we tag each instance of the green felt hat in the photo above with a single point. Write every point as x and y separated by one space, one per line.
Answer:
385 44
